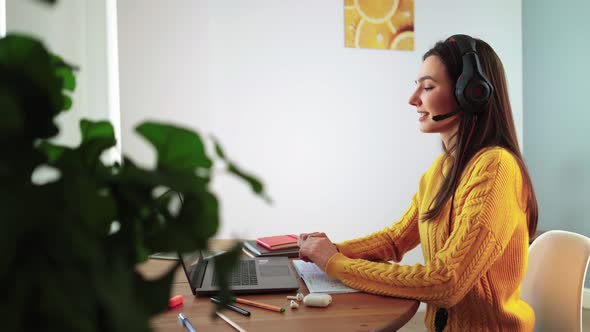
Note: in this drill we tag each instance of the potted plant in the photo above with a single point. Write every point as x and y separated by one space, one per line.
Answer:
63 264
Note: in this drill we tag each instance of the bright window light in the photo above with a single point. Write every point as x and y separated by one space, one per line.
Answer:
2 18
113 74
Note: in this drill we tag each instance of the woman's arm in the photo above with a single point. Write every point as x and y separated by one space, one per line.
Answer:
482 231
390 243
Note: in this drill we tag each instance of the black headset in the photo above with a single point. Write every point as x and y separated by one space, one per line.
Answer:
473 89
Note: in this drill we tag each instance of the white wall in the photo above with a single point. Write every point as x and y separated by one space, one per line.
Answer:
77 31
327 128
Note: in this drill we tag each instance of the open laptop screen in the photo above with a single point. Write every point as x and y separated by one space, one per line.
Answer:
250 275
194 265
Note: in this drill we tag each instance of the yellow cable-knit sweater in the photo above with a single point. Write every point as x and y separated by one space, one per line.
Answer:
475 272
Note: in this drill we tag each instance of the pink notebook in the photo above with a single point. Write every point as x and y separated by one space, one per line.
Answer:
278 241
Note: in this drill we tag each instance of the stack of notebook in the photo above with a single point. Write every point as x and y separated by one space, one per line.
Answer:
282 245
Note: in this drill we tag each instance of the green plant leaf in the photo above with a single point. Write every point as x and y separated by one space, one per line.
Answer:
96 210
67 75
26 70
12 123
116 292
97 130
218 148
224 264
153 295
177 181
65 72
97 136
61 288
200 212
197 221
52 151
67 103
178 149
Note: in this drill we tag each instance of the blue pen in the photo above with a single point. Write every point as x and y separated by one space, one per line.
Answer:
182 320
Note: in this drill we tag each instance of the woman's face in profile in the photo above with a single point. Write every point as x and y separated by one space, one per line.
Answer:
434 96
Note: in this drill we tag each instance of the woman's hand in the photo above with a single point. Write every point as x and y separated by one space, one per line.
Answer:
303 237
317 248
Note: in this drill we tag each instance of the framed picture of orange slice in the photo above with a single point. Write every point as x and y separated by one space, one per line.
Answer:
379 24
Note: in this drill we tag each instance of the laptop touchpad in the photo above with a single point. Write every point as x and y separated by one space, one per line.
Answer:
274 271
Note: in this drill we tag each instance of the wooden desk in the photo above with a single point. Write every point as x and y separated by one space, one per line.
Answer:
348 312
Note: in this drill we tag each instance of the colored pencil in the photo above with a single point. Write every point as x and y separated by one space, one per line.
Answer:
258 304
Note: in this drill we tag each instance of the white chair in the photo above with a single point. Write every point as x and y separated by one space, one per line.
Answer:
554 281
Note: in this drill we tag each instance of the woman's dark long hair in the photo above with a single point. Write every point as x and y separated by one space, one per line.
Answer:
494 127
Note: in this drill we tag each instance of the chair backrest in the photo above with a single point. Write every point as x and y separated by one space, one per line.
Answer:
554 281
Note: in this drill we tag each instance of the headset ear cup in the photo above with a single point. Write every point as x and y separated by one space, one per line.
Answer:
473 95
473 90
477 94
460 92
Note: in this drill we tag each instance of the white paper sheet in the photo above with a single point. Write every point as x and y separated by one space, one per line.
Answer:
317 281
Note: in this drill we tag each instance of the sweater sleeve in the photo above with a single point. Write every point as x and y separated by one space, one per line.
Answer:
482 230
390 243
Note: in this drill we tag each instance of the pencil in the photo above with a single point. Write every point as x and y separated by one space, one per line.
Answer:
229 321
259 305
233 307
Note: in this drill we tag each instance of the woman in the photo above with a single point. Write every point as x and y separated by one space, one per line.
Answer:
474 211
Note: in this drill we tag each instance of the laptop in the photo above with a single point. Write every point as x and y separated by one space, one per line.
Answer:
252 275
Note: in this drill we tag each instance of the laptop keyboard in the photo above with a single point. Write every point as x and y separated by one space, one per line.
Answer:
243 275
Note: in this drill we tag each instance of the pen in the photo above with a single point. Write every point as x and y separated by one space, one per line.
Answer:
182 320
233 307
258 304
229 321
